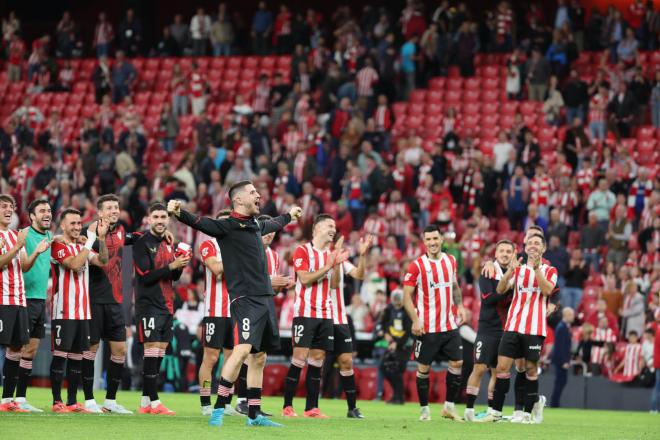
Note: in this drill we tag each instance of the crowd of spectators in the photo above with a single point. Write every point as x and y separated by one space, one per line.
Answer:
322 135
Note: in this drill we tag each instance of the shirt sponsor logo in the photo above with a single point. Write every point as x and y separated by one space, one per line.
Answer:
348 340
299 262
408 276
535 347
205 252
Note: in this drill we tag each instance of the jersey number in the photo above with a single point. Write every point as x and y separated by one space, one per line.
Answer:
58 330
148 324
210 328
246 324
1 326
298 330
418 348
478 349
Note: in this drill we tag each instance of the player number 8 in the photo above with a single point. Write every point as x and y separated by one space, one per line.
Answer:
478 349
246 324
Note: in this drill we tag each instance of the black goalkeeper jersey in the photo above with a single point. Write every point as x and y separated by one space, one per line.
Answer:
494 306
105 283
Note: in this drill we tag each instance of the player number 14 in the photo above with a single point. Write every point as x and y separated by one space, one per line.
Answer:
148 324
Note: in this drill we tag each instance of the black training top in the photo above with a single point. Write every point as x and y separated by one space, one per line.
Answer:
243 254
494 306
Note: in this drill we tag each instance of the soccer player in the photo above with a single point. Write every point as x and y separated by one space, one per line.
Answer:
14 318
526 326
36 289
71 311
106 297
492 317
252 309
256 362
434 321
343 341
313 332
156 269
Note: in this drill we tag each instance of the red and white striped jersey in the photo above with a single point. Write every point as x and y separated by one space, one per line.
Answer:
383 117
398 216
541 188
528 310
196 85
365 80
273 260
566 202
261 103
434 281
378 227
601 335
11 276
312 301
216 297
585 179
338 304
632 360
597 108
70 287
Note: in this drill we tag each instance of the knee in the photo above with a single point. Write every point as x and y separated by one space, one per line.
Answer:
345 362
210 358
423 369
118 350
259 360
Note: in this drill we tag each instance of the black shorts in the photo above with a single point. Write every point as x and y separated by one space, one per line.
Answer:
70 335
254 322
314 333
14 326
155 327
343 339
485 349
107 323
217 333
516 345
446 345
36 309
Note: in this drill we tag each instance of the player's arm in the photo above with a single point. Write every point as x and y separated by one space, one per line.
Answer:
409 307
546 285
143 266
6 258
358 271
215 228
503 284
214 265
27 261
101 259
488 294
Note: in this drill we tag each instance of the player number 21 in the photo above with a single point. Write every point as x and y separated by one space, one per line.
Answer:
148 324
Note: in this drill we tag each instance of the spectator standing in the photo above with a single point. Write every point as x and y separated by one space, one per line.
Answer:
101 77
167 45
10 26
655 101
123 76
103 36
576 274
618 235
591 240
576 16
179 91
502 150
130 34
576 97
262 25
181 33
517 197
553 103
538 74
65 36
600 203
16 51
169 127
408 69
200 27
197 90
632 312
621 111
282 39
561 355
222 33
466 48
598 114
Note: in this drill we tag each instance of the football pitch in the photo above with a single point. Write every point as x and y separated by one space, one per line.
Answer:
383 422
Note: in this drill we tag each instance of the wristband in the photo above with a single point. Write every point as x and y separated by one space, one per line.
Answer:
91 238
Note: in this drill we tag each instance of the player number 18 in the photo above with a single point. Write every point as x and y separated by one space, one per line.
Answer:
210 328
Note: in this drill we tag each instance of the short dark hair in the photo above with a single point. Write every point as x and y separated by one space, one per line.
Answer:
106 198
223 213
537 228
507 242
8 198
321 218
157 206
633 332
67 211
236 187
432 228
34 203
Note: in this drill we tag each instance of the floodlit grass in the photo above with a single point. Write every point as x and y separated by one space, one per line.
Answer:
382 422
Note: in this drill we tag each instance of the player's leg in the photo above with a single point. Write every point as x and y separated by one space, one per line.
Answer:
313 382
453 349
150 367
57 364
240 388
502 384
87 368
519 385
531 390
255 379
209 359
347 376
36 322
491 387
425 350
10 377
114 376
473 383
302 342
73 376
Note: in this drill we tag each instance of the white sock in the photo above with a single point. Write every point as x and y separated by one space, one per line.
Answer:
20 400
6 400
145 401
449 406
155 403
241 399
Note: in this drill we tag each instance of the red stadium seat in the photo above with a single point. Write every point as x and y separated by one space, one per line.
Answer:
417 95
454 84
472 108
646 133
437 83
471 96
453 96
473 83
490 96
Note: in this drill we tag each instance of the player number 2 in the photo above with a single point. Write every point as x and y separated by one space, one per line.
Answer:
58 329
246 324
210 328
298 330
478 349
148 324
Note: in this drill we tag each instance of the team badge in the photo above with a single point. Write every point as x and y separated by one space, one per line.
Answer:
246 335
58 341
147 333
208 338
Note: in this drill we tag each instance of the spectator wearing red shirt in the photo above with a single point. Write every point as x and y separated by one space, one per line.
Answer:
601 311
16 52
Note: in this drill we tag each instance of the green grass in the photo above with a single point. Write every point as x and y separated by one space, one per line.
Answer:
383 422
